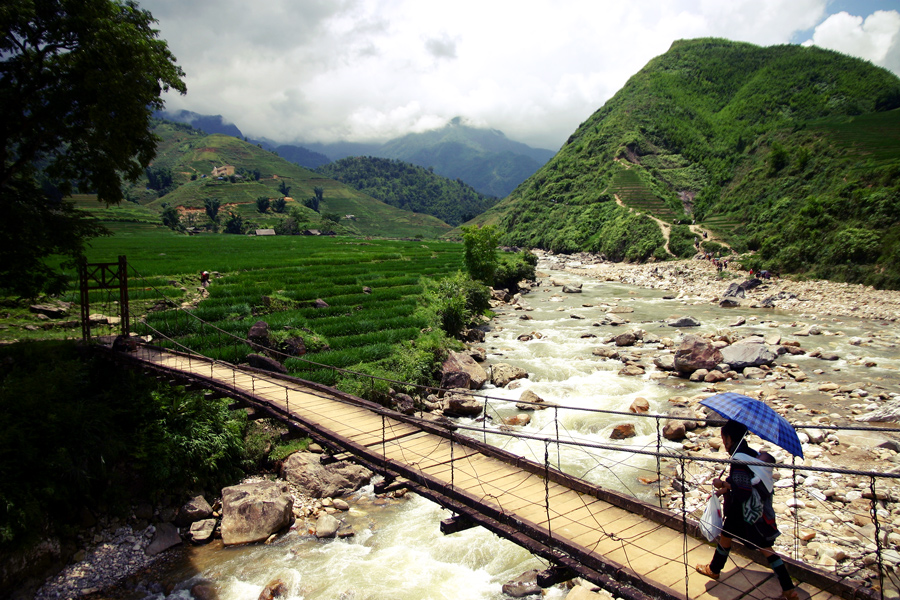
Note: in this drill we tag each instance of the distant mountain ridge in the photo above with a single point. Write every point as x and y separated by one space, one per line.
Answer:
410 187
787 152
483 158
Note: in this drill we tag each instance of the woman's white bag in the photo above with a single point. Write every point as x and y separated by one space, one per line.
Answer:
711 521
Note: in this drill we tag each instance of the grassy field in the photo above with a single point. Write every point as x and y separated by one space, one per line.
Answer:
276 279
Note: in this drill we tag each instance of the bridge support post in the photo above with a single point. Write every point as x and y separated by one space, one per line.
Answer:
456 524
555 574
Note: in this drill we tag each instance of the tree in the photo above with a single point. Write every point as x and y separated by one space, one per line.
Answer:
279 205
79 81
171 218
234 223
284 188
480 252
262 204
211 205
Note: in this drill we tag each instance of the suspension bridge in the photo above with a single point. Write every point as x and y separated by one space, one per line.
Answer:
634 549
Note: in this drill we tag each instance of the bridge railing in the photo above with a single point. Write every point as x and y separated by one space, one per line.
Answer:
691 473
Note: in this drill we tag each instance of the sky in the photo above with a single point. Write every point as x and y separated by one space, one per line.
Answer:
296 71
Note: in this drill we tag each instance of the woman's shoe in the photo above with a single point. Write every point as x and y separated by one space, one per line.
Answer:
705 570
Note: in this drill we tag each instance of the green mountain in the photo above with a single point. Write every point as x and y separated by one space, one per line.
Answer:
484 158
410 187
182 176
789 152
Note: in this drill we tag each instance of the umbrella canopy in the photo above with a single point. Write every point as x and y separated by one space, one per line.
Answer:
758 418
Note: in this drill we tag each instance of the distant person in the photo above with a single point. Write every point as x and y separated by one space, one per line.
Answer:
749 516
204 278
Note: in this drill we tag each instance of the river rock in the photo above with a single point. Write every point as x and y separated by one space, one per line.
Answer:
531 401
696 352
274 589
605 353
165 536
674 431
306 471
640 406
741 355
462 405
258 336
625 339
202 531
524 585
251 512
683 322
631 370
195 509
517 420
327 526
665 362
503 373
403 403
461 362
621 432
54 311
258 361
580 592
572 288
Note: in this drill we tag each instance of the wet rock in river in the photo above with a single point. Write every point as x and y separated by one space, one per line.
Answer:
252 512
503 373
696 352
685 321
742 355
621 432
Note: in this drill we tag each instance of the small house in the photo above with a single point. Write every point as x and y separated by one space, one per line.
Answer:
312 232
265 232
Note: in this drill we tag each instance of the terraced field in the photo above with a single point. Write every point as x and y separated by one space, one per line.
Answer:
627 184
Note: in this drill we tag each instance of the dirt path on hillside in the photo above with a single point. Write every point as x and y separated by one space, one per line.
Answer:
664 227
710 236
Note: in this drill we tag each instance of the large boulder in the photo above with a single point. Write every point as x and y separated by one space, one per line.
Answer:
54 311
258 336
525 585
251 512
696 352
531 401
462 405
739 356
460 362
572 288
202 531
306 471
165 536
502 374
195 509
327 526
258 361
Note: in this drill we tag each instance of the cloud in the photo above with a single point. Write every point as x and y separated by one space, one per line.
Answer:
323 70
875 38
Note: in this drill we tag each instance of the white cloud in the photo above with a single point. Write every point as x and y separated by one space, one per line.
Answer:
875 38
322 70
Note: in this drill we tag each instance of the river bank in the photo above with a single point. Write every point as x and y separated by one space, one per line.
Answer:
700 281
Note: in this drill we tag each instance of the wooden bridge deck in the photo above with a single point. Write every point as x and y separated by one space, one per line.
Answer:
638 550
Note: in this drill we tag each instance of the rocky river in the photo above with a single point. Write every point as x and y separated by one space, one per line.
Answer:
834 362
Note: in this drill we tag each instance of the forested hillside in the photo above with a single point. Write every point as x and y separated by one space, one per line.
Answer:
410 187
258 190
790 152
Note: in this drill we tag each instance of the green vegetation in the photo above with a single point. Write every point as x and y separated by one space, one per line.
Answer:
264 192
85 436
409 187
790 152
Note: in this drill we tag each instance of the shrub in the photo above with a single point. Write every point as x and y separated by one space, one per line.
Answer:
454 302
513 267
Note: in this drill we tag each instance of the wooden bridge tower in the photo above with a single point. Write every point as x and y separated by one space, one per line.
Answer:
103 276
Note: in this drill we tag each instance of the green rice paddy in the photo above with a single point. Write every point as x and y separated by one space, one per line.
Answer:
278 280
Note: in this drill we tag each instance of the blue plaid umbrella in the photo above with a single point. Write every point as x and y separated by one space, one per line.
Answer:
758 417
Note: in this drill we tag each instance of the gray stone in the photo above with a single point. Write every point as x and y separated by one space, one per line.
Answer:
502 374
460 405
252 512
665 362
165 536
695 353
327 526
531 401
572 289
306 471
195 509
461 362
202 531
740 356
524 585
258 336
258 361
683 322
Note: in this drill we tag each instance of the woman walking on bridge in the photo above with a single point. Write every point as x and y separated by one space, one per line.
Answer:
749 516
